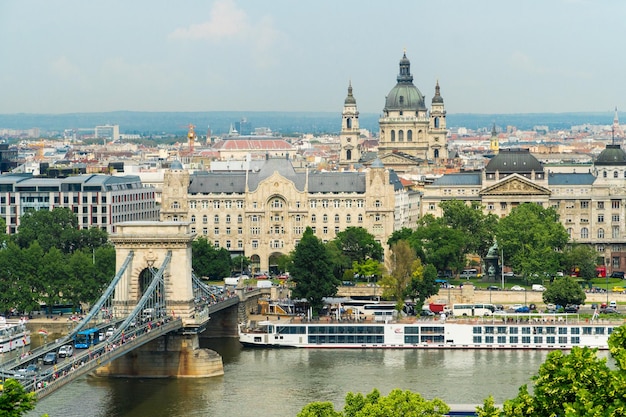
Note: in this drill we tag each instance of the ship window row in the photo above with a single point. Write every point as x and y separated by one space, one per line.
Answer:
537 340
430 338
346 339
291 329
313 330
527 330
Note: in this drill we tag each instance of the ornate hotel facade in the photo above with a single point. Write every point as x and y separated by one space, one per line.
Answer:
591 200
262 211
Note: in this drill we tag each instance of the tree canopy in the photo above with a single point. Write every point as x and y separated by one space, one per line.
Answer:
207 261
14 400
531 237
479 228
564 291
354 244
312 271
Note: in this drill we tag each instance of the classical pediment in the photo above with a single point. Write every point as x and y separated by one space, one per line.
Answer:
515 185
397 158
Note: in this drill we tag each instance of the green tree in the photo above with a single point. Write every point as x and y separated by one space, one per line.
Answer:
488 409
397 404
312 271
240 263
402 263
354 244
57 228
423 284
441 245
208 261
564 291
531 237
479 228
368 268
14 400
53 272
583 257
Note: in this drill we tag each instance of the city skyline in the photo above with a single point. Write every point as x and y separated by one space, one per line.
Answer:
241 55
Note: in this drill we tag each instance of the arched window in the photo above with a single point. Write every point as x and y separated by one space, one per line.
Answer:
569 232
193 218
400 135
175 205
584 233
409 135
393 135
604 174
336 218
360 218
615 175
205 219
436 153
349 122
349 154
600 233
436 122
348 218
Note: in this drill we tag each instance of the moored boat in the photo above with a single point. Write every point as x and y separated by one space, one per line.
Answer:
515 331
13 335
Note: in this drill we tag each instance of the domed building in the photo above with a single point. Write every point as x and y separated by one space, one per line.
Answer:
410 135
590 201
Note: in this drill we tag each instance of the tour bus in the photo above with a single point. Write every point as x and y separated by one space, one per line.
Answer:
473 310
86 338
380 311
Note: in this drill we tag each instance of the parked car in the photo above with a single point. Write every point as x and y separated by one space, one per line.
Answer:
609 310
426 313
538 287
50 358
66 351
523 309
517 288
509 274
109 332
571 309
618 288
493 288
617 274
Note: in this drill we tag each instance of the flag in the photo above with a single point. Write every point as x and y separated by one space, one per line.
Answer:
43 332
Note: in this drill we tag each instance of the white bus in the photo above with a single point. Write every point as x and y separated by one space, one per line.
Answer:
473 310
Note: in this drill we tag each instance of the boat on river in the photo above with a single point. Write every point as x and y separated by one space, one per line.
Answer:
13 335
511 331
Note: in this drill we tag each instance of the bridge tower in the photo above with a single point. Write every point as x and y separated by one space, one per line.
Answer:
151 241
176 354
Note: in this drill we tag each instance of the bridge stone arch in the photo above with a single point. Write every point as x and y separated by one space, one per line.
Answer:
150 242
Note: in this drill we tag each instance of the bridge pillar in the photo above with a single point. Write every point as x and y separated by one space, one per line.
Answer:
172 355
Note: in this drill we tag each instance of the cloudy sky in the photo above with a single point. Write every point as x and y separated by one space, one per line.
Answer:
490 56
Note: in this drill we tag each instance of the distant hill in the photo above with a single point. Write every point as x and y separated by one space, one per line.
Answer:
282 122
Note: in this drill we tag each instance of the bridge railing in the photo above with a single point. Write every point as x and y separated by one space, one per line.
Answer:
98 356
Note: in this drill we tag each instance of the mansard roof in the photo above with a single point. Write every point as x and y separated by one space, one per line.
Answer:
464 178
570 178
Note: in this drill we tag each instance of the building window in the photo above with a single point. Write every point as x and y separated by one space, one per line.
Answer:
431 206
615 262
600 233
254 205
584 233
360 204
615 232
569 232
216 204
239 219
409 135
615 175
600 218
502 206
205 231
205 204
336 203
377 217
216 231
254 218
228 204
240 244
192 204
348 203
615 204
360 218
205 219
277 203
228 244
325 203
255 244
377 203
228 230
228 219
216 219
584 204
325 218
600 204
240 230
239 204
298 218
490 206
313 218
615 218
193 218
313 203
393 135
348 218
336 218
325 230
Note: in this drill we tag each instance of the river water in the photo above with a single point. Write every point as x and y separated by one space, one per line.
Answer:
279 382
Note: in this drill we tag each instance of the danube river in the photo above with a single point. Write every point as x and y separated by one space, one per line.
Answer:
279 382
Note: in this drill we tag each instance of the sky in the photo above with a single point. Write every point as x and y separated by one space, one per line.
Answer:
489 56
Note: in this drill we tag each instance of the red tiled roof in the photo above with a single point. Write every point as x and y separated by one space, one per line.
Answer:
252 145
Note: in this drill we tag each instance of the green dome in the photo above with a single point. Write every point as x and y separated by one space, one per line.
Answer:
514 161
611 155
405 96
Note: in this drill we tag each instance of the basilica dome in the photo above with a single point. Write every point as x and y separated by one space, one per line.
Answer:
405 96
514 161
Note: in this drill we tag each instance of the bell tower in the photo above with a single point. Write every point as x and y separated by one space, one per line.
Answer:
437 133
350 152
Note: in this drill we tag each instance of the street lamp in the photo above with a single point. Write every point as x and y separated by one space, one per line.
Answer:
502 268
